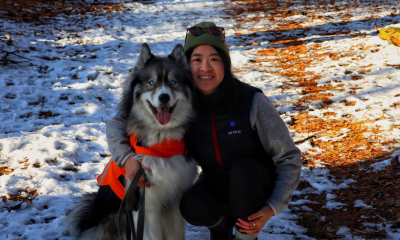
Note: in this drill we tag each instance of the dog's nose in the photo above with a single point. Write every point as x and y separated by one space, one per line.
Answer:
164 98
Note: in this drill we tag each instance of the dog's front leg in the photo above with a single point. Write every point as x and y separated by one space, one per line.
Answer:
152 217
173 223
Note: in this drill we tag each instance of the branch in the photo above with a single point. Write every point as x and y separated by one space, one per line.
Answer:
305 139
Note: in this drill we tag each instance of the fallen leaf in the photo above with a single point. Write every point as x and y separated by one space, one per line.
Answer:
390 34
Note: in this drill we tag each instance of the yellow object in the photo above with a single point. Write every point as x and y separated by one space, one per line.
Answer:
391 34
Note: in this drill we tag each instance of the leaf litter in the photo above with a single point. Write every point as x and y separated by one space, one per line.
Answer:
321 63
293 39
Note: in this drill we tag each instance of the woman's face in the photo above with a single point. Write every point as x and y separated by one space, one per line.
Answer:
207 68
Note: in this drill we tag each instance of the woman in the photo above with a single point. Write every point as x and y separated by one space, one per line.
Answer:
250 165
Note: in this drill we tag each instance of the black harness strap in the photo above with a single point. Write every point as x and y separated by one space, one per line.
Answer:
185 146
127 231
129 204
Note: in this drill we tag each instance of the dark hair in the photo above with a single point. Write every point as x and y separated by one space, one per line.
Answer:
229 91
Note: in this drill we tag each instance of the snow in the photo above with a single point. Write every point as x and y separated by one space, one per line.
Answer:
333 205
54 107
344 231
330 196
318 179
360 203
380 165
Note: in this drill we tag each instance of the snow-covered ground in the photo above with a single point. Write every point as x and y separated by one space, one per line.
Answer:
55 103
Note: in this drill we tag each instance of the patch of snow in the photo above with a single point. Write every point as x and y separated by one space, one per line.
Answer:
333 205
330 196
381 165
360 203
344 231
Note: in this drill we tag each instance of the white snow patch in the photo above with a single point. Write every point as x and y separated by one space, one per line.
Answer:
381 165
360 203
333 205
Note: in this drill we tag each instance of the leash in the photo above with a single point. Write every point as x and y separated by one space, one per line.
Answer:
129 204
132 202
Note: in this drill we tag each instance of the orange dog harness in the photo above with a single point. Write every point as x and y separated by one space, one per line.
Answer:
112 172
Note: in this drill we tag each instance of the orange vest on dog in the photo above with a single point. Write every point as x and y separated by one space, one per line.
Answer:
112 172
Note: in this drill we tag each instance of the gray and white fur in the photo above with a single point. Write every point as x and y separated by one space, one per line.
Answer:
156 104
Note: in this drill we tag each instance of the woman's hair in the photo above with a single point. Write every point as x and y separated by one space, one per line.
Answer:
229 91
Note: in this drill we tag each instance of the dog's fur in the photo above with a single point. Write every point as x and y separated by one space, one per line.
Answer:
156 86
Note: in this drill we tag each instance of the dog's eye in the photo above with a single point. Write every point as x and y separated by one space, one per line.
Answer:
152 83
173 82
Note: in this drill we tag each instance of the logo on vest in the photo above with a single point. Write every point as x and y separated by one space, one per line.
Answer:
234 132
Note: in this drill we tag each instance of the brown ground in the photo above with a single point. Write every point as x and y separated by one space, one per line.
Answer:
39 11
292 55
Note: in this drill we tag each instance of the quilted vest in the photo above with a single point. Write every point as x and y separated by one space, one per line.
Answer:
216 140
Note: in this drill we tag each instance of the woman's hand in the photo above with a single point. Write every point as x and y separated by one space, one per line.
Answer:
132 165
259 219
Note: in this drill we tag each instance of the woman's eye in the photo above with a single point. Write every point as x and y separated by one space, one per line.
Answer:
152 83
173 82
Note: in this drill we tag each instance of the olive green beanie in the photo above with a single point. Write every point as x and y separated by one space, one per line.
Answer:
206 39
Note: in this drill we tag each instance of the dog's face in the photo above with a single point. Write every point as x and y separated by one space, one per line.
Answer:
159 92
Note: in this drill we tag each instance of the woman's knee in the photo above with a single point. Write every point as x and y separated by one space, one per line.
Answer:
202 205
194 208
251 184
187 207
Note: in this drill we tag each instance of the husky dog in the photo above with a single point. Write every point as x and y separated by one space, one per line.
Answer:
156 104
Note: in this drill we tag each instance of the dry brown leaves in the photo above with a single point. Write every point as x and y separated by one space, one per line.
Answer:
37 10
23 196
381 191
46 115
356 77
351 143
15 201
348 103
395 104
5 171
347 142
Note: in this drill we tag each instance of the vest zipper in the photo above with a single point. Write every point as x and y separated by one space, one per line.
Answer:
214 132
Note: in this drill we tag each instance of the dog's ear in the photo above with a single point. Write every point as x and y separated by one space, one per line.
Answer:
144 56
128 96
178 54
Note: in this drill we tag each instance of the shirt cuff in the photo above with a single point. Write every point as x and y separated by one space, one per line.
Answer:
272 207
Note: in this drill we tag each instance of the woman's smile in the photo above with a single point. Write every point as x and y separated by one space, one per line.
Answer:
207 68
206 77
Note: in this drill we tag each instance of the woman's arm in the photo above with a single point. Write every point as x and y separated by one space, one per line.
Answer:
256 221
118 141
121 151
275 138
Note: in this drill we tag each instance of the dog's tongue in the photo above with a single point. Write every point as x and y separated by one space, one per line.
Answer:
163 115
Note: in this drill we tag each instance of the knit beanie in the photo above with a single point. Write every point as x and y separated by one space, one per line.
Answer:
206 39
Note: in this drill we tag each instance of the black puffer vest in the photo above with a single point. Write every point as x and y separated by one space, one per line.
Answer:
216 140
